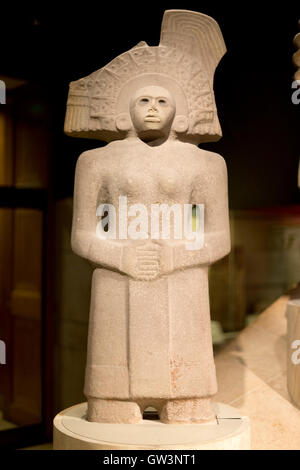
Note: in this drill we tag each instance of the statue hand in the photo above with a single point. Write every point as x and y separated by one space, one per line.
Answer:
148 260
142 262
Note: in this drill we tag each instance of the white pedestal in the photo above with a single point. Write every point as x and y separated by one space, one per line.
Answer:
230 431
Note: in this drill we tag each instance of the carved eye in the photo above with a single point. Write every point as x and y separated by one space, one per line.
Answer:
144 101
162 102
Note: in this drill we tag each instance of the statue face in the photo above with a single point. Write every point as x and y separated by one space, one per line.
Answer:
152 109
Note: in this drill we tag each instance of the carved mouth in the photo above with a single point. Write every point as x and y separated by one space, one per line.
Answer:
152 119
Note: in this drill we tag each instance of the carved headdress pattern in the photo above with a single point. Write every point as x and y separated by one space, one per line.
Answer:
191 46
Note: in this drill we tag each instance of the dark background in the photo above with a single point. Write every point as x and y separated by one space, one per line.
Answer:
52 45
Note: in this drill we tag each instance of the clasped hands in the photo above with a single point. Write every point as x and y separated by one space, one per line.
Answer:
147 260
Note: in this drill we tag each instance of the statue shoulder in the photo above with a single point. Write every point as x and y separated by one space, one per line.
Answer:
208 164
95 157
212 160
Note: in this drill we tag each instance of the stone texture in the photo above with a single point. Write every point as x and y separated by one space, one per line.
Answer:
149 329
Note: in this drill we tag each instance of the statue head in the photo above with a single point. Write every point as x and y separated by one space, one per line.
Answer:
152 110
105 105
152 105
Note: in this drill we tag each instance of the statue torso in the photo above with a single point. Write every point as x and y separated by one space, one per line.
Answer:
149 175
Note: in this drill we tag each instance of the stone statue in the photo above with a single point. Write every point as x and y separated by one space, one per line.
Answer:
149 340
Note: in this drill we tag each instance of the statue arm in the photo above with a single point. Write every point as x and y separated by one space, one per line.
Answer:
84 241
211 189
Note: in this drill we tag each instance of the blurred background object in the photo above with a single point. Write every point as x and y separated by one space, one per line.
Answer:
296 56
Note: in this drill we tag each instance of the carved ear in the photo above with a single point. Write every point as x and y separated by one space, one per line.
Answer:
181 124
123 122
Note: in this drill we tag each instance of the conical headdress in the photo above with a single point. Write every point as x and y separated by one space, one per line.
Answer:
191 46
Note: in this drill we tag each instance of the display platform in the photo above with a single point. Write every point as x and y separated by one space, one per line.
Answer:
229 431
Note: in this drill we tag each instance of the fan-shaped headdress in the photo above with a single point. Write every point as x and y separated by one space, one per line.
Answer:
190 48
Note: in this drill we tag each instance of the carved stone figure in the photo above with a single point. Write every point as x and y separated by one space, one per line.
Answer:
149 340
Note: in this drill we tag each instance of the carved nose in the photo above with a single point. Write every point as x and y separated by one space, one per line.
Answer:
153 106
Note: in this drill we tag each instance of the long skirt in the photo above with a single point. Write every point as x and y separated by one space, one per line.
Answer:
150 339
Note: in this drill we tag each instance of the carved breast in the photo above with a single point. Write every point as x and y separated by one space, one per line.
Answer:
131 184
146 175
170 182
